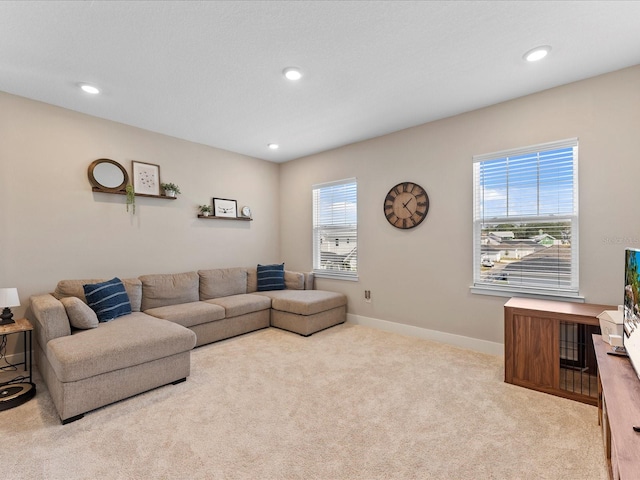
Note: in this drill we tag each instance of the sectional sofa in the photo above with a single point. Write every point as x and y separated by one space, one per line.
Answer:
87 363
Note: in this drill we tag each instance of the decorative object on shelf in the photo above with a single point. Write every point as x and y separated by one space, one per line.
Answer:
146 178
245 212
406 205
170 189
8 298
223 207
205 210
131 198
106 175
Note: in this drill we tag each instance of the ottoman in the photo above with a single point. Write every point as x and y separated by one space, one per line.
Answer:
306 311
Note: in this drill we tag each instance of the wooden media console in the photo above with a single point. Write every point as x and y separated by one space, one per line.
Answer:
618 412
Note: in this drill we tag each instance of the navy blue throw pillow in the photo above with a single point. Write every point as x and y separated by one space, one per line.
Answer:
108 299
271 277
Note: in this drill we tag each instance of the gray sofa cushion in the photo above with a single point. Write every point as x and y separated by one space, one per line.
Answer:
126 341
222 282
294 280
50 319
305 302
309 281
74 288
189 314
242 304
80 314
169 289
252 280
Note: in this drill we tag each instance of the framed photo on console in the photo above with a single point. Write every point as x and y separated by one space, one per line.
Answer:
223 207
146 178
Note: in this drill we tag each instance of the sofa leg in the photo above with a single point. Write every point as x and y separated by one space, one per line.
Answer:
72 419
179 381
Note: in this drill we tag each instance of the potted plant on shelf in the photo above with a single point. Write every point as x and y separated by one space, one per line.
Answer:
131 198
170 189
205 210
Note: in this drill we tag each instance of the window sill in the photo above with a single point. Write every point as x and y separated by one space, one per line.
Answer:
506 292
333 276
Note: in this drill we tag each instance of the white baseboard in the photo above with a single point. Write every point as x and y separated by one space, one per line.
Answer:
475 344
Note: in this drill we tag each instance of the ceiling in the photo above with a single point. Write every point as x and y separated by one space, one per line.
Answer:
211 72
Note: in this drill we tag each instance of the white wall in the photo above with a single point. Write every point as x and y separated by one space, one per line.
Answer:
421 277
52 226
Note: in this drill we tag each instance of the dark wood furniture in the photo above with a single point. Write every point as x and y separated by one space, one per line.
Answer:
548 347
101 190
618 411
213 217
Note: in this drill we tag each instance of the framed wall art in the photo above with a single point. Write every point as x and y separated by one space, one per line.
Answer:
146 178
223 207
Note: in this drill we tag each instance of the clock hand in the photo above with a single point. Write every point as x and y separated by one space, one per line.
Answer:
405 205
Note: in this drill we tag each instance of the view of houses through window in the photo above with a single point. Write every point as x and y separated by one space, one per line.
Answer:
335 229
526 219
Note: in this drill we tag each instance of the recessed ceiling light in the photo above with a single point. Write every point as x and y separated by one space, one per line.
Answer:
537 53
89 88
273 146
292 73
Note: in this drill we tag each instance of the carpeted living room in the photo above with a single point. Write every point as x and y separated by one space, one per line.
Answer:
348 402
351 147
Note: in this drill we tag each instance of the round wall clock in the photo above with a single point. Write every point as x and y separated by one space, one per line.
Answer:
406 205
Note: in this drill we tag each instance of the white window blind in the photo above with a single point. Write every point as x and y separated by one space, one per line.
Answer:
526 220
335 229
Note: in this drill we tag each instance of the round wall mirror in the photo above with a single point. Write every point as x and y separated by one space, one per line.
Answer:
108 175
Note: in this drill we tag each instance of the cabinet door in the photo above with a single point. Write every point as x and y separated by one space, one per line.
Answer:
535 351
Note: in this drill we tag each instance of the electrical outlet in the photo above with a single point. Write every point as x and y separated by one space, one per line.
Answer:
367 296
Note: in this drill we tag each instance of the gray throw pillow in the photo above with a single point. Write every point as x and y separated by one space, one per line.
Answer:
80 314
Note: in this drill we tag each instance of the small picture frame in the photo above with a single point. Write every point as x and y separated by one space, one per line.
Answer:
223 207
146 178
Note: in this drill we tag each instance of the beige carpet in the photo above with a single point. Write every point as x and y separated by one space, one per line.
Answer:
347 403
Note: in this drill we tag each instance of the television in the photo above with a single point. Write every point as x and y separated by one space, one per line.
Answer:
631 313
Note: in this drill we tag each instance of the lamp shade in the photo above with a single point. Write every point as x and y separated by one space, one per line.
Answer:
9 297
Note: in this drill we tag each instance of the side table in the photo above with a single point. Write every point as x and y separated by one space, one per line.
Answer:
16 391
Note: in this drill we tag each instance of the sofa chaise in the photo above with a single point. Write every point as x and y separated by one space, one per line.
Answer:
88 364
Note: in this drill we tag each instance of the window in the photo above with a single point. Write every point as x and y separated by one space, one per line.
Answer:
525 220
335 229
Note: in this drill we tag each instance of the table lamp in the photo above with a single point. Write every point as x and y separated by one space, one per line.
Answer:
8 298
